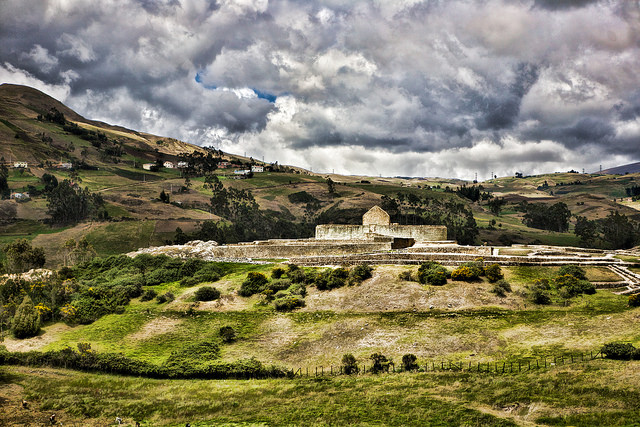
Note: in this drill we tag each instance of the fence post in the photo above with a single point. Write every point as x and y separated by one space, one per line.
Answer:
519 367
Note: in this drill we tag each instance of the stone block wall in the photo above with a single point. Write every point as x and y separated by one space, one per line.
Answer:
419 233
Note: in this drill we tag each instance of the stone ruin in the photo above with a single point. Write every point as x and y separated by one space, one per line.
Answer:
376 226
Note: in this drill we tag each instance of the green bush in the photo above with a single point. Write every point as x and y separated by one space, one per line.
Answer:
349 364
210 272
539 292
187 282
501 288
634 300
148 295
207 293
277 273
288 302
570 286
493 273
432 273
464 274
253 284
620 351
161 275
166 297
26 321
573 270
380 363
360 273
409 362
278 285
228 334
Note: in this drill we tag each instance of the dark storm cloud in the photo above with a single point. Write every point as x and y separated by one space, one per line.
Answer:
411 86
563 4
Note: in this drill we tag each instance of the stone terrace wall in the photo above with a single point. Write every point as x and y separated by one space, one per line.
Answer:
292 249
447 259
420 233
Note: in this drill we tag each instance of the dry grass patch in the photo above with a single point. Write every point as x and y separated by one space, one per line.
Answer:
48 335
158 326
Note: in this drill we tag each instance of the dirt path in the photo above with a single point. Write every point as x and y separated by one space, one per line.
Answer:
47 336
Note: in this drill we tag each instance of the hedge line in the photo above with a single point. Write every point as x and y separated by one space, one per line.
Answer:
114 363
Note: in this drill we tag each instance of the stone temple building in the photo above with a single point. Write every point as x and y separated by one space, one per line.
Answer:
376 225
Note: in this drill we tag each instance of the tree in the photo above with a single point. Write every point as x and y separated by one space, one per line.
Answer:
495 205
164 197
26 322
68 203
587 230
50 182
552 218
331 186
349 364
618 232
4 185
21 256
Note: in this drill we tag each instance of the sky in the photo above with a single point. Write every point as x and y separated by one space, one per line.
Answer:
447 88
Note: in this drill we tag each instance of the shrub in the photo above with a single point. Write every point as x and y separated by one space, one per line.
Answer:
253 284
634 300
277 273
148 295
493 273
539 292
190 267
349 364
187 282
207 293
228 334
573 270
288 302
166 297
209 272
432 273
501 287
465 274
297 275
409 362
620 351
380 363
278 285
570 286
161 275
26 322
360 273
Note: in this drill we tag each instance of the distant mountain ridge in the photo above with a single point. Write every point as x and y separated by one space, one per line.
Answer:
624 169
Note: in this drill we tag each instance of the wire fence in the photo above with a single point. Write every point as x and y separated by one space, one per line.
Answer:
493 367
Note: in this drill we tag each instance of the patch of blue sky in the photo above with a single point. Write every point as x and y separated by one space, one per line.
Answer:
260 94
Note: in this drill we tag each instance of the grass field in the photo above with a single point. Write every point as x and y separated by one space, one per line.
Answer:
599 392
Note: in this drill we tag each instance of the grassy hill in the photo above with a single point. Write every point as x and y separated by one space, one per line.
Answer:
459 324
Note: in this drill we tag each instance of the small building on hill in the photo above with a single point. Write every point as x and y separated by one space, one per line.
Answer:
149 166
169 165
257 168
20 165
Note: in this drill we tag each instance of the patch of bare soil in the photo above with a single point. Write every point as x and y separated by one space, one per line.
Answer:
386 292
157 326
48 335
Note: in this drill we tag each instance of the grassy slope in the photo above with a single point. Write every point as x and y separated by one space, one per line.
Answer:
593 393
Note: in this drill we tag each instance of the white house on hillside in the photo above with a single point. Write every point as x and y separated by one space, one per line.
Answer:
257 168
183 164
148 166
168 165
20 165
